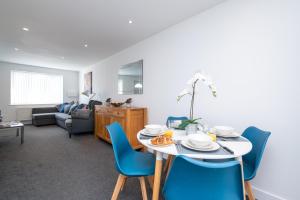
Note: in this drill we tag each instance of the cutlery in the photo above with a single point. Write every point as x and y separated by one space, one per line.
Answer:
226 148
143 137
178 145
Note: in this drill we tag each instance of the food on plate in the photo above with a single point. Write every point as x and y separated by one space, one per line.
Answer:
161 140
168 133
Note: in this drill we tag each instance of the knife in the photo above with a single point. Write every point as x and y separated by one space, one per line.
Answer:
226 148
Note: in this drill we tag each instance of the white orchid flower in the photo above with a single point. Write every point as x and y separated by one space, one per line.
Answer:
196 76
213 90
183 93
191 81
200 76
207 80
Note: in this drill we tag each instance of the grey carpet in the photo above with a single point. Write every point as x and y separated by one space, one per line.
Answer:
49 165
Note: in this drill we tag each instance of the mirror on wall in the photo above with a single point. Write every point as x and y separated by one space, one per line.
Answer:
130 78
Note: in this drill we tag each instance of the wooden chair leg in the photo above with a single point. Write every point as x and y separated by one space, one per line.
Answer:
249 190
150 181
167 164
123 183
121 180
143 188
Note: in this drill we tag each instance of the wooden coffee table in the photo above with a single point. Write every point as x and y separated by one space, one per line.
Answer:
14 125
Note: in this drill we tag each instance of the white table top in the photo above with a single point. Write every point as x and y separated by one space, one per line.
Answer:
240 148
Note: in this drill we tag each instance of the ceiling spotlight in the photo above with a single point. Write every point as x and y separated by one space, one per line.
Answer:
85 45
130 21
17 49
25 29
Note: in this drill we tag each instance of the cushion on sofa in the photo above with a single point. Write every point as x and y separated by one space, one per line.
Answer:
81 114
81 106
73 108
62 107
67 108
62 116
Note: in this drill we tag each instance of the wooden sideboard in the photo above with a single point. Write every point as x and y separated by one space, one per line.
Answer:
131 119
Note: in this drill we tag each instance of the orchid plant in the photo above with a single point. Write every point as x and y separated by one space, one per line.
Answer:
191 90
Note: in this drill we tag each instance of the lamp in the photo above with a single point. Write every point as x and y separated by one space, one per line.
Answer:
138 85
72 94
88 94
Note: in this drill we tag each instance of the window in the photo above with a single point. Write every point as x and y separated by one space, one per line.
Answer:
35 88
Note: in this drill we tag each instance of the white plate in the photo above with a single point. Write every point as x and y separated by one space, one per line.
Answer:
147 133
214 147
207 146
154 145
231 135
199 140
224 130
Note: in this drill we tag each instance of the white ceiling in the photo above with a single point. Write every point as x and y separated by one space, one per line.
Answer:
60 28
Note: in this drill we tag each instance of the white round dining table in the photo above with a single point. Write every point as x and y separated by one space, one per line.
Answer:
239 147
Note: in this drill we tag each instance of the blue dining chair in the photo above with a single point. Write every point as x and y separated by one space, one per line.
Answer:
173 118
194 180
251 161
129 163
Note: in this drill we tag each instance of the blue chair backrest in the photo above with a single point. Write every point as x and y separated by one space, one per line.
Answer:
259 139
119 142
194 179
172 118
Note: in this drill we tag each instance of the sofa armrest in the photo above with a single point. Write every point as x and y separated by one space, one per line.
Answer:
44 110
81 114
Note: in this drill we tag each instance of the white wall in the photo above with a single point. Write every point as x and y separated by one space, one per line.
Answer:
9 111
250 48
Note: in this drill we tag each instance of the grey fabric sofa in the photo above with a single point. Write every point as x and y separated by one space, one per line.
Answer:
61 119
80 121
44 116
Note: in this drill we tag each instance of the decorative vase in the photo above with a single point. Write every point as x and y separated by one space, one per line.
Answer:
191 129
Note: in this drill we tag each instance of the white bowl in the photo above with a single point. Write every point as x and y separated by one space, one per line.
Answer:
224 130
199 140
153 129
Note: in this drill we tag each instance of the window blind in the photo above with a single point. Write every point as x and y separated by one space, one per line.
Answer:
36 88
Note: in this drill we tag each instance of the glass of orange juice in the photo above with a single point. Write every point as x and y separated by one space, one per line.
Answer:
168 133
212 136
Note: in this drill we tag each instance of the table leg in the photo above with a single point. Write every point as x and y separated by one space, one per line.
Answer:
22 134
18 131
157 175
240 159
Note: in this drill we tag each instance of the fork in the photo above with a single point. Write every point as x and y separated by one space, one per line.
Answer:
178 145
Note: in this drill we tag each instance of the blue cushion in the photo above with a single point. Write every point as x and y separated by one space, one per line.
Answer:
73 108
80 106
67 108
62 107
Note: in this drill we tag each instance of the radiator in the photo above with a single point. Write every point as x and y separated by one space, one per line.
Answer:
23 114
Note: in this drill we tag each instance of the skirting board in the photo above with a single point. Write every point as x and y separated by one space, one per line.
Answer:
26 122
264 195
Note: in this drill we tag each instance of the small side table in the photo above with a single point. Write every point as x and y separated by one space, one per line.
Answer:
14 125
